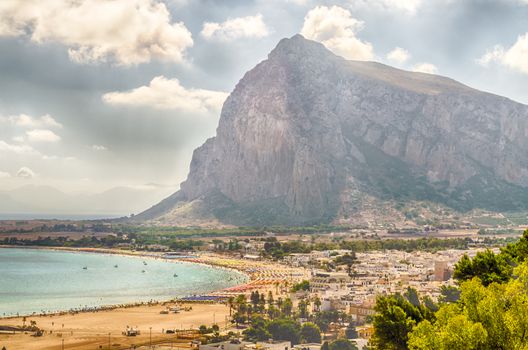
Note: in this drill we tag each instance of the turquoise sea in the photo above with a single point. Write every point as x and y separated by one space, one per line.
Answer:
34 280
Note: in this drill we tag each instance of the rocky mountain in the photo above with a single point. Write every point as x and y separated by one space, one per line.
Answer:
309 137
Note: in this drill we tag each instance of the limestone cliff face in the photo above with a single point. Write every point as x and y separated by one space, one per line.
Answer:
305 128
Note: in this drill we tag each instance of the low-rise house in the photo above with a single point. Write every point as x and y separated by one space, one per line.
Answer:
271 345
311 346
361 312
322 281
234 344
298 259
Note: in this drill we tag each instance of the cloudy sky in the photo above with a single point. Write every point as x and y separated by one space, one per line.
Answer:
102 93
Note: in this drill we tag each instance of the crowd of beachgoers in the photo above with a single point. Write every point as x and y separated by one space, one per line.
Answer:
262 275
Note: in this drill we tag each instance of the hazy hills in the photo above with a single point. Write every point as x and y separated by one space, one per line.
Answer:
45 201
309 137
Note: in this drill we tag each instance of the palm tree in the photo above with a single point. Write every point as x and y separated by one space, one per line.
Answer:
317 304
230 303
270 298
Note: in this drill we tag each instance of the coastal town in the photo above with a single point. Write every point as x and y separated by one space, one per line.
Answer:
263 175
307 279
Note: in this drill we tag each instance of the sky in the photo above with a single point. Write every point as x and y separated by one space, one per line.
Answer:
96 94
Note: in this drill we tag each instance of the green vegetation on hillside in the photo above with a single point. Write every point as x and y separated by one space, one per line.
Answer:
488 311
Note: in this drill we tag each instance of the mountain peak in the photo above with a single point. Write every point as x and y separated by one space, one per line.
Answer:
304 54
298 45
308 137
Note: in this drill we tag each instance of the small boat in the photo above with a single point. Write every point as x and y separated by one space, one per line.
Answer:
175 275
142 271
85 268
116 266
144 263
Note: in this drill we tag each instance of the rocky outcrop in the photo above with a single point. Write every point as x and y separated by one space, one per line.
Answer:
306 132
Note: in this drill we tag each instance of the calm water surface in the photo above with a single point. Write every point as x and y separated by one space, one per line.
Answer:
46 280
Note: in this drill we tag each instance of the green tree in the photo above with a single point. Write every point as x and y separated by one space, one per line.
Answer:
304 286
239 318
230 303
486 317
452 330
517 252
302 306
324 318
412 296
394 319
273 312
429 304
285 329
255 298
351 332
342 344
449 294
270 298
287 307
258 330
348 260
317 304
310 333
488 266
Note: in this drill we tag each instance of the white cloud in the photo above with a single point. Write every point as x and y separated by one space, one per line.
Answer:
235 28
409 7
55 157
163 93
52 157
336 29
27 121
17 149
42 135
4 175
122 31
492 55
99 148
398 55
516 57
25 173
428 68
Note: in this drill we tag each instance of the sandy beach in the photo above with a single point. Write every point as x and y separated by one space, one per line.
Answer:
94 330
91 329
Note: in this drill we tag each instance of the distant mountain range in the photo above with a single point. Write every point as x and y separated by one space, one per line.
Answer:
44 201
308 137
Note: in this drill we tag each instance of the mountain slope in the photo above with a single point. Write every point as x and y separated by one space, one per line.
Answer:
308 137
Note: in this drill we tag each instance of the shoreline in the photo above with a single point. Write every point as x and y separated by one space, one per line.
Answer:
132 254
